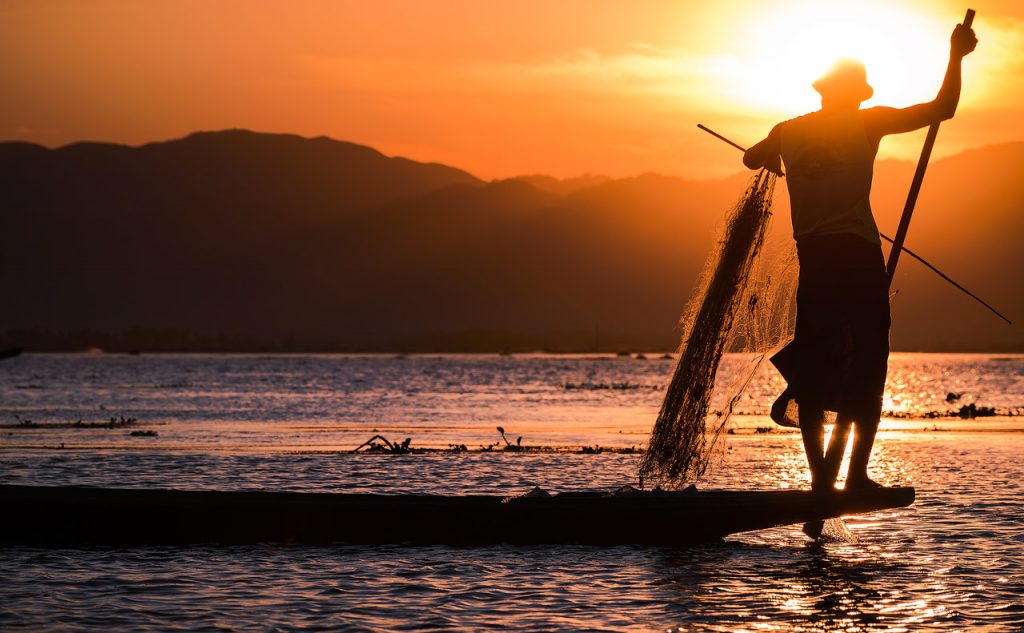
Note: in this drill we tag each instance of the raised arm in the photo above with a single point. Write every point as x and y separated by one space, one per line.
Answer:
883 121
766 154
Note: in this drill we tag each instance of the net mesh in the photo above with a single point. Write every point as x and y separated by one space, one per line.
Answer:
743 303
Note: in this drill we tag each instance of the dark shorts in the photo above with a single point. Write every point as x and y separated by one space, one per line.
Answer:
840 352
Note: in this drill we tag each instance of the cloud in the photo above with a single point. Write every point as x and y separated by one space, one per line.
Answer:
643 68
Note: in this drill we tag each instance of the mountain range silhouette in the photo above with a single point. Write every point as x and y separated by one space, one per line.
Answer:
244 241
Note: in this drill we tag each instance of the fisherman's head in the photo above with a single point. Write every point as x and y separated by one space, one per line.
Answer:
844 84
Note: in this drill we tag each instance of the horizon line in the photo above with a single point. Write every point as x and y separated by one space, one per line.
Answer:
518 176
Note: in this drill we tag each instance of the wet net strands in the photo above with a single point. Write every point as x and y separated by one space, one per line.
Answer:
681 445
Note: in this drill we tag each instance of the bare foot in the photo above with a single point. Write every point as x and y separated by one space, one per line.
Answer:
822 487
862 483
813 529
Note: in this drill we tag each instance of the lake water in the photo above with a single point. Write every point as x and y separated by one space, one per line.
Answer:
951 561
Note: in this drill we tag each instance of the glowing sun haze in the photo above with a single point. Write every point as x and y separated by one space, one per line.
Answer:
498 89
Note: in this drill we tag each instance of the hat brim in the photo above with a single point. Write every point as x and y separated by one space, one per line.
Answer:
828 85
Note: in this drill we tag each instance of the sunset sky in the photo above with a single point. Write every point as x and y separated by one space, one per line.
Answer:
496 88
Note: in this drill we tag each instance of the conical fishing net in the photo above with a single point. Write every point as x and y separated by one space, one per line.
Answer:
739 305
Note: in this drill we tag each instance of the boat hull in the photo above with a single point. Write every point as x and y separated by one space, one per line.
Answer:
62 516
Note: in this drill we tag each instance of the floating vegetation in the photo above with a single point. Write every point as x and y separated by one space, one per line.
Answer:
971 411
380 444
118 422
114 423
759 430
509 446
965 412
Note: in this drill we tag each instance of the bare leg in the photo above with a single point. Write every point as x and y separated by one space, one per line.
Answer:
829 465
812 429
863 441
836 448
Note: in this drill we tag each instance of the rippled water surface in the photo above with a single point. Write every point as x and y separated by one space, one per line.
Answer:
951 561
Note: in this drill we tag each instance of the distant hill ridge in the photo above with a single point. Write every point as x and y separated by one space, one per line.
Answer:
239 240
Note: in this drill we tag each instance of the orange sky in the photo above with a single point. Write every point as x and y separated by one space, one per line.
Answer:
563 87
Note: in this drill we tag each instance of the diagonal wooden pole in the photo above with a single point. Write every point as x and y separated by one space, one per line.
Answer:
915 186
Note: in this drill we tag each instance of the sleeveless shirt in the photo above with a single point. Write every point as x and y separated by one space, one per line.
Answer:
829 164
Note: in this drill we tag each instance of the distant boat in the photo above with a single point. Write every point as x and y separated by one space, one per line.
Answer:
10 352
56 516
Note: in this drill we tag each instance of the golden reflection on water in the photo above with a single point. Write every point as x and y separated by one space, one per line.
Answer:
789 468
846 588
813 588
834 593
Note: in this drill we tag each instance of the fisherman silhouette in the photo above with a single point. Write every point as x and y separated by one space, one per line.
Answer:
839 355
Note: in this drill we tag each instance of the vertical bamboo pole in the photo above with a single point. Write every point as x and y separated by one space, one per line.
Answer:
915 186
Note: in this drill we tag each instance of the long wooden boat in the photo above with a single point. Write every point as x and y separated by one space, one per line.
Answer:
59 516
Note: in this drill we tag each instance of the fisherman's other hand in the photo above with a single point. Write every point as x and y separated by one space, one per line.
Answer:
774 165
963 41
